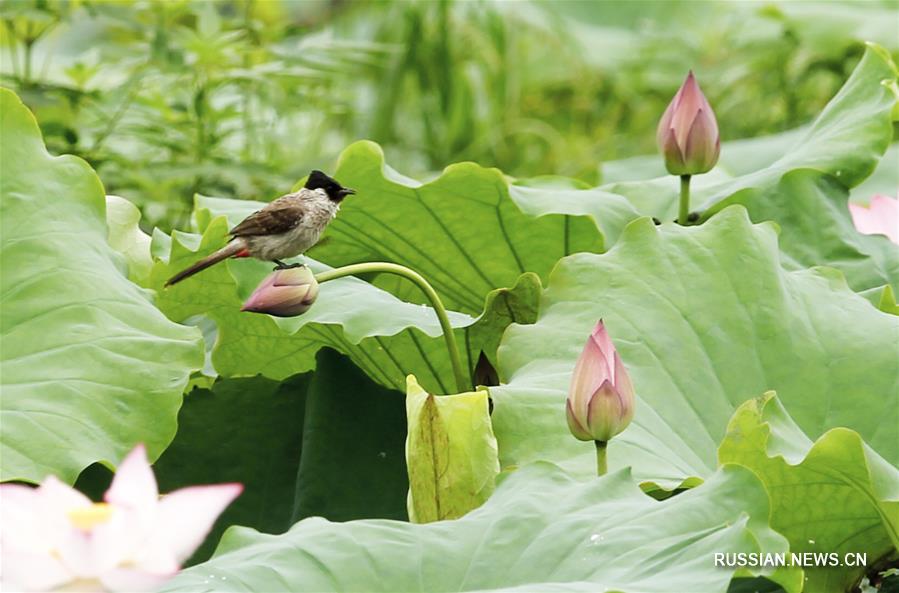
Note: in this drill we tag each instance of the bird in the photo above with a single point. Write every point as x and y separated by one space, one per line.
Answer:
284 228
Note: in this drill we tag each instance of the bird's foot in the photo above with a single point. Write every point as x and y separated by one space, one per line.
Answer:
280 265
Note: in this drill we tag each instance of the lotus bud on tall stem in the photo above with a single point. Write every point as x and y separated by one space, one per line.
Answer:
688 138
601 397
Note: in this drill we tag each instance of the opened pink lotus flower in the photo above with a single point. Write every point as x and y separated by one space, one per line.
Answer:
284 293
53 537
881 217
601 397
688 132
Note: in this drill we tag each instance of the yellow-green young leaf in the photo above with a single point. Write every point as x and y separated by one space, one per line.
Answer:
451 453
834 495
125 236
887 302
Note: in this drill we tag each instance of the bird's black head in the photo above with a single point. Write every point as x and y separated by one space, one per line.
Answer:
335 191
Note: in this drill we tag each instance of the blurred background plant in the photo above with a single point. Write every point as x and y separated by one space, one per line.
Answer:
240 98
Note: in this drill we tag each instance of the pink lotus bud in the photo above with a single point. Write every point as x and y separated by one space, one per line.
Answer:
688 133
881 217
601 398
284 293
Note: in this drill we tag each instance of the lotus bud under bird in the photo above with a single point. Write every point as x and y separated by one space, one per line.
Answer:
688 132
284 293
601 397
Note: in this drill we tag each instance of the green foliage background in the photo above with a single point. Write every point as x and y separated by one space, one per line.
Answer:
239 98
760 341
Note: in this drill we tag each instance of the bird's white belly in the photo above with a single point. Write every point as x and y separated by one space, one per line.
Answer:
285 245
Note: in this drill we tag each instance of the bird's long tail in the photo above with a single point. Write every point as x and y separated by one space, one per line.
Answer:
235 248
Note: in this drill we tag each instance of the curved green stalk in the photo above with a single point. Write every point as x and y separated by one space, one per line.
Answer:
462 383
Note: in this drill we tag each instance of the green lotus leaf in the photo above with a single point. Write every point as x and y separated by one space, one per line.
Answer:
704 318
835 495
353 464
125 236
247 430
884 180
89 366
503 306
816 229
542 530
812 210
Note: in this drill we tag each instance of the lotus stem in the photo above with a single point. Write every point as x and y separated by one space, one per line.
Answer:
602 465
684 212
462 383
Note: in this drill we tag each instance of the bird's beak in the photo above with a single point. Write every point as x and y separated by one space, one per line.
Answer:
346 191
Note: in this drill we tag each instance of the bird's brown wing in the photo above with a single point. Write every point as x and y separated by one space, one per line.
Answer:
271 220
